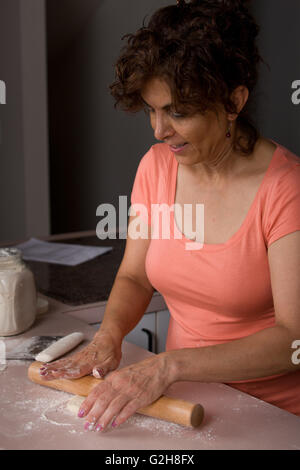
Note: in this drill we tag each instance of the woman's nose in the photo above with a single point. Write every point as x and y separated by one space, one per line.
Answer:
162 127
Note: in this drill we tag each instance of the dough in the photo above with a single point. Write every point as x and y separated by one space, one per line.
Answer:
74 404
59 348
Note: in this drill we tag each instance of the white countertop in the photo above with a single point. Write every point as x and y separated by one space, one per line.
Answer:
35 417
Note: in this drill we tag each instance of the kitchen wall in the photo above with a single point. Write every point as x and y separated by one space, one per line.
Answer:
93 149
11 165
24 190
279 41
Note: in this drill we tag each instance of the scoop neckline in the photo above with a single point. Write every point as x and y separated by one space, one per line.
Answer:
241 229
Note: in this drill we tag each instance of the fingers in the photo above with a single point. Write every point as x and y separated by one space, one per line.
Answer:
123 392
65 368
128 410
105 353
47 370
107 406
100 371
72 369
82 363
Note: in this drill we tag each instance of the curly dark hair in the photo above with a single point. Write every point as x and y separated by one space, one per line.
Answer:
203 49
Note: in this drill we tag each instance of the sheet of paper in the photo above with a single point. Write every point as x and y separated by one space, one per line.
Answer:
59 253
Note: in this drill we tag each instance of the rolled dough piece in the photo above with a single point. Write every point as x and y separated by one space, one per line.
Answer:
61 347
74 404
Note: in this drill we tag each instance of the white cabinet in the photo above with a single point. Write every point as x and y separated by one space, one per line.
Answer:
144 339
162 324
156 324
151 332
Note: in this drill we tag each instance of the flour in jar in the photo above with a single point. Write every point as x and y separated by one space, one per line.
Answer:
18 298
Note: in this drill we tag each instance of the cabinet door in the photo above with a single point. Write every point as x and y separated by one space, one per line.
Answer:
144 339
162 324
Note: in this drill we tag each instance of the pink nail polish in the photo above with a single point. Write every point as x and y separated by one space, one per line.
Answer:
99 428
87 426
81 413
99 373
114 424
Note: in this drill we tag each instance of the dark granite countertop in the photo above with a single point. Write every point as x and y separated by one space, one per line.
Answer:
86 283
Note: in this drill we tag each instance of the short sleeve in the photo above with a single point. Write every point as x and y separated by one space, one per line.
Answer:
142 189
282 214
150 186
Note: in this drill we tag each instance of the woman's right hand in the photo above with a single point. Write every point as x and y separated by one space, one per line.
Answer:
102 355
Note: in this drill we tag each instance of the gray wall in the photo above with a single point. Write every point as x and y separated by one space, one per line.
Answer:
94 149
24 195
12 187
278 117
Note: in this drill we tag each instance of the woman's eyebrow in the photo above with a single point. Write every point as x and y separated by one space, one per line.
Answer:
166 107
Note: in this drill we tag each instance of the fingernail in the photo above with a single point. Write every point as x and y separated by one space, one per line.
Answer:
81 413
88 426
43 372
99 428
99 373
114 424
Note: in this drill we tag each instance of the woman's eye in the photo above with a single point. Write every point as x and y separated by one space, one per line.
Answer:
148 110
173 114
177 115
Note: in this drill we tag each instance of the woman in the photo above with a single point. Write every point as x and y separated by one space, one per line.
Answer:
234 301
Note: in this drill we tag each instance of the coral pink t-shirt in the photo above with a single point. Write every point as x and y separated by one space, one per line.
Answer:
222 292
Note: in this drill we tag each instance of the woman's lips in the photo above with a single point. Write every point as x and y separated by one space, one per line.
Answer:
177 148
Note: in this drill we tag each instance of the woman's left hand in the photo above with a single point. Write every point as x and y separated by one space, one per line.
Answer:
125 391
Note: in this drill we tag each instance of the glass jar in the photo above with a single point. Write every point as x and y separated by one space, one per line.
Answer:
18 297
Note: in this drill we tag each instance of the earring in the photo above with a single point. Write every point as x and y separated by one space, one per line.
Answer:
228 133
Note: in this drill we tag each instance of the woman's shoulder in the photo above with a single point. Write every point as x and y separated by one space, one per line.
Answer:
158 155
278 161
284 172
286 158
151 180
157 160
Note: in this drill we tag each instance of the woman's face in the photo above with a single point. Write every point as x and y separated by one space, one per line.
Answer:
197 138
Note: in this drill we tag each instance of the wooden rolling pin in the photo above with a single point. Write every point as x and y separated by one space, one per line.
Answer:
165 408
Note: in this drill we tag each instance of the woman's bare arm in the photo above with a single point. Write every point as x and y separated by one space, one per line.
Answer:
131 292
128 300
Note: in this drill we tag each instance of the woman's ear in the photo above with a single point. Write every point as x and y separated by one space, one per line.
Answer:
239 96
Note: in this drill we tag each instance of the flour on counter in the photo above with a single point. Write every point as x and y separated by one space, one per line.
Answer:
36 409
28 426
159 427
31 410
